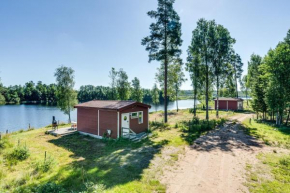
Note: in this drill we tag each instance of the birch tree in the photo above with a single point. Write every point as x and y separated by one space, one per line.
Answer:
65 94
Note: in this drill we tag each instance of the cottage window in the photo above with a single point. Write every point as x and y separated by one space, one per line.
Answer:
134 115
140 117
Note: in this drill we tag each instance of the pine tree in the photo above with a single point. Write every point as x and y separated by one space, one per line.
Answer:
165 39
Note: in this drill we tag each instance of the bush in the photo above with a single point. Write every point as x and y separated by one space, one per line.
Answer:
94 188
50 187
176 125
195 120
18 154
5 142
46 165
159 125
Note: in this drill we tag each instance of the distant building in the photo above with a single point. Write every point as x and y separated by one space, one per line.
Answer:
229 103
99 117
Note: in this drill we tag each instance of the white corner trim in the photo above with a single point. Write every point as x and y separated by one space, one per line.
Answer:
98 122
118 124
92 135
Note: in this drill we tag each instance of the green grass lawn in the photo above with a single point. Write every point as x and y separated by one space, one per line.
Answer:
273 174
78 160
78 163
271 135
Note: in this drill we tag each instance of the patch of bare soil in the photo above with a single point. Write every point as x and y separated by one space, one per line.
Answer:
216 162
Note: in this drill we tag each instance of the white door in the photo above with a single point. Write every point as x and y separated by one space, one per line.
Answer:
125 120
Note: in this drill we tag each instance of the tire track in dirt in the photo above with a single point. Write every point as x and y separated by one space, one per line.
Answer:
216 162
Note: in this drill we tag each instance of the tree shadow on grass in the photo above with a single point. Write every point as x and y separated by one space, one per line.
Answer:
226 138
110 163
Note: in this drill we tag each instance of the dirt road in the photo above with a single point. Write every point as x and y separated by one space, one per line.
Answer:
215 163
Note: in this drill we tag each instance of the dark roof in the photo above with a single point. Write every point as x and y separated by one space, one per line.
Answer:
229 99
110 104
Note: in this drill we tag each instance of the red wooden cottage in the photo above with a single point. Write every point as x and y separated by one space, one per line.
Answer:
97 117
229 104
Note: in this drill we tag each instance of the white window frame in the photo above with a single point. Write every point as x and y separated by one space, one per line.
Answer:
141 122
134 117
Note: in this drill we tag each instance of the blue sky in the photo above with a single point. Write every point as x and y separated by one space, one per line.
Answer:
93 36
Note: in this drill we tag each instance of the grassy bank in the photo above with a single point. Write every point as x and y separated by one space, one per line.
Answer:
78 163
270 134
272 173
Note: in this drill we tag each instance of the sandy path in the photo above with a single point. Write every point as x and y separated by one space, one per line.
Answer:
215 163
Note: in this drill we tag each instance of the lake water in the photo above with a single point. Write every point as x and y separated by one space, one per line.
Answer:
16 117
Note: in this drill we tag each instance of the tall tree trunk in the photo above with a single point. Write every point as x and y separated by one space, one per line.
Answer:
247 97
177 100
166 66
69 119
194 102
236 83
217 97
206 91
287 117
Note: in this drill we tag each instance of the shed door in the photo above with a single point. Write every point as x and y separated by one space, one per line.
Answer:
125 120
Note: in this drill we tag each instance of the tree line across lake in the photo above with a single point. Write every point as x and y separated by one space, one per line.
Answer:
38 93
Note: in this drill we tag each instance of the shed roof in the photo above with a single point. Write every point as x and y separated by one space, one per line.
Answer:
229 99
110 104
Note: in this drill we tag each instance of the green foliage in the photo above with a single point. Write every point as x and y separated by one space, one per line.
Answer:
19 153
257 83
113 84
30 92
269 133
211 60
90 92
123 85
280 167
50 187
176 77
137 92
66 96
155 94
2 173
164 40
159 125
2 99
94 188
194 128
46 165
5 142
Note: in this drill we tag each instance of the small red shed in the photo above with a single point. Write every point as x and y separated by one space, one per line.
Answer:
229 103
97 117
